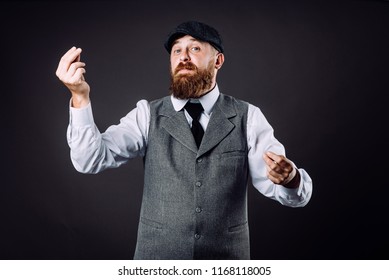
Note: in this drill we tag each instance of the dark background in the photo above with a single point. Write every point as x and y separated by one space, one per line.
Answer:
318 70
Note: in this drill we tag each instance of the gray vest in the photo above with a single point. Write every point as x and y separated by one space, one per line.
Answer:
194 202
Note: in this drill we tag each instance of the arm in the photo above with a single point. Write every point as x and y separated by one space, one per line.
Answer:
272 173
90 150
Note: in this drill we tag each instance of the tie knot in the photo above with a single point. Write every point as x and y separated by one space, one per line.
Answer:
194 109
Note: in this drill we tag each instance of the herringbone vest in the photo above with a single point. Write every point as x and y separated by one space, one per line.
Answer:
194 202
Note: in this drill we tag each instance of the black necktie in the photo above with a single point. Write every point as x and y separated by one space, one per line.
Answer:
194 110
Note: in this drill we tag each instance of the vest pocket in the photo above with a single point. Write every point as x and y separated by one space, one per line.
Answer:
235 153
151 223
238 227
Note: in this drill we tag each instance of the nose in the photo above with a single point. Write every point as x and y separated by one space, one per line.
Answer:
184 56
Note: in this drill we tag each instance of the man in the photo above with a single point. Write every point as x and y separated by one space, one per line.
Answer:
194 202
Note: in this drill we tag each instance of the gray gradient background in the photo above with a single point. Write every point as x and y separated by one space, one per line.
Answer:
318 70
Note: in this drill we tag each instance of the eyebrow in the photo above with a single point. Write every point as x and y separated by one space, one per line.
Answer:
193 40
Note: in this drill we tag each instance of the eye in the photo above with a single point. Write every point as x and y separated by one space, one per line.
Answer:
176 51
195 49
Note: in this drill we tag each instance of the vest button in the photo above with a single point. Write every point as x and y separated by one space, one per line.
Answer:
198 209
198 184
197 236
199 160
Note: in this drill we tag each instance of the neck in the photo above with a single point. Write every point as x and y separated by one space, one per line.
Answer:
208 90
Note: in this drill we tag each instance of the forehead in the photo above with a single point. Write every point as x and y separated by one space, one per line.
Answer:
187 39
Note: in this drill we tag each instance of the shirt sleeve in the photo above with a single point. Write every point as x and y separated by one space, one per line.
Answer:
260 137
92 151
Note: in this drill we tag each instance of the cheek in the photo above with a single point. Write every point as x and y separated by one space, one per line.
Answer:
173 62
173 65
203 64
198 62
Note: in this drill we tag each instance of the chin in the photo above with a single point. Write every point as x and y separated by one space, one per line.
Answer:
185 75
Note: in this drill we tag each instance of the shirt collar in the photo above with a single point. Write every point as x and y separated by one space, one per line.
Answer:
207 101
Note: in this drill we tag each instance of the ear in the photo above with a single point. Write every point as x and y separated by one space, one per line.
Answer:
219 60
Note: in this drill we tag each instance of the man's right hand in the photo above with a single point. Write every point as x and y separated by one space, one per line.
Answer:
71 72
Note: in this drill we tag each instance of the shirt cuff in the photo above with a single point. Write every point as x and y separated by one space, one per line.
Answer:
296 190
81 116
295 182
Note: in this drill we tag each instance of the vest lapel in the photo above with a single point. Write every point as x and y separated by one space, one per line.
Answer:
177 126
218 128
219 125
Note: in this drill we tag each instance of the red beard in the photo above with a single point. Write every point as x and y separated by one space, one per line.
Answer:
191 85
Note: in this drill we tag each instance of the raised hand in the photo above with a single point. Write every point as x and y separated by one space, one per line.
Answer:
71 72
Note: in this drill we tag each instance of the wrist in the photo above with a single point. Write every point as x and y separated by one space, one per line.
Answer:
294 182
79 101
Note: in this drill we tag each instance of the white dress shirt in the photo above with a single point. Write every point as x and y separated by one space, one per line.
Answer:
92 151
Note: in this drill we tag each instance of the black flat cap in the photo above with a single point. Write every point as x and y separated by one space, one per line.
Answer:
198 30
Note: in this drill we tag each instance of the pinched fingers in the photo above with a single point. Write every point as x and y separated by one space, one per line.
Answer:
279 175
69 64
74 75
64 63
71 72
279 168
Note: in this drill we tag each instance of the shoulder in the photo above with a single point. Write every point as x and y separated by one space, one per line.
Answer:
238 104
254 113
162 106
159 101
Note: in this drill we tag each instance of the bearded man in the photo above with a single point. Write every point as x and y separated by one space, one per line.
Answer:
199 146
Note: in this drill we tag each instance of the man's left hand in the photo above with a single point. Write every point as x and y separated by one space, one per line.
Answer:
280 170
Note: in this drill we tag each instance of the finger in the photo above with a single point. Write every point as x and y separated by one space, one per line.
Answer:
78 58
282 174
67 59
274 177
277 177
72 75
278 172
281 160
274 157
267 159
270 159
74 66
285 163
274 171
61 62
78 76
73 56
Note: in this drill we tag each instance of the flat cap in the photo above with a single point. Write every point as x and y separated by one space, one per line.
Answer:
197 30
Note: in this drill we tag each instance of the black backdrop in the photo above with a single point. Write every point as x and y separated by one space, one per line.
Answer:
318 70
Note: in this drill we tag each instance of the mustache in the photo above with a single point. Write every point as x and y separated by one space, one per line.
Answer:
187 66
